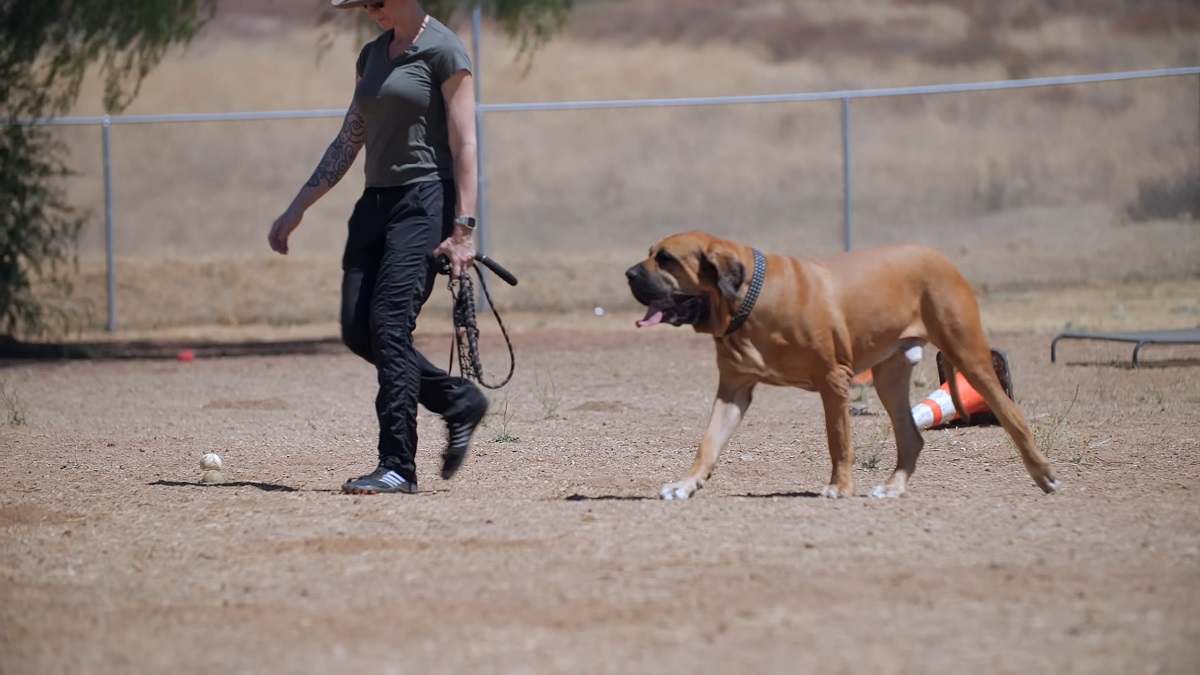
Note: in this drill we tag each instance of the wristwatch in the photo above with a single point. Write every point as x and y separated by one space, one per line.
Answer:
466 221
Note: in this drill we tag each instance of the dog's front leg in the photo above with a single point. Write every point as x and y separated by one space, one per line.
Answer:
835 397
728 409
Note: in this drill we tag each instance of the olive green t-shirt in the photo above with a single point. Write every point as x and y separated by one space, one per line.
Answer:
408 139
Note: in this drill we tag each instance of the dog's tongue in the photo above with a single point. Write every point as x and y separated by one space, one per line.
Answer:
653 315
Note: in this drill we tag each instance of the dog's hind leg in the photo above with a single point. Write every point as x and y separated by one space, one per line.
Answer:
892 379
728 409
971 355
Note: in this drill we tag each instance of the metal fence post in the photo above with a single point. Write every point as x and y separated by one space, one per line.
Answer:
108 224
847 188
481 180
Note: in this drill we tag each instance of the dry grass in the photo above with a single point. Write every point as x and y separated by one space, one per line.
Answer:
1027 189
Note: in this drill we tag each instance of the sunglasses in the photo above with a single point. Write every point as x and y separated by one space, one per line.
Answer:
374 5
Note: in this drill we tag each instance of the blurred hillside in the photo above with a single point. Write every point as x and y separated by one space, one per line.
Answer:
732 46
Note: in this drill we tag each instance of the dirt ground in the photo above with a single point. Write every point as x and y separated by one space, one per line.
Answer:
550 553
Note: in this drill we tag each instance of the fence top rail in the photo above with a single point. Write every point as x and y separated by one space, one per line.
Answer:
640 103
846 94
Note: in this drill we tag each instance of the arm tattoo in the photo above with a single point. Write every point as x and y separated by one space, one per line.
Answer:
342 151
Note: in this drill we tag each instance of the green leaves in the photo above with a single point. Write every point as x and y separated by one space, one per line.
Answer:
37 232
46 49
531 22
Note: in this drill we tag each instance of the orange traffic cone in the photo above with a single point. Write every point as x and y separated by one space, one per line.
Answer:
938 407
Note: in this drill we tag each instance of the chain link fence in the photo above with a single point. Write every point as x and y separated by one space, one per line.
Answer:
1073 181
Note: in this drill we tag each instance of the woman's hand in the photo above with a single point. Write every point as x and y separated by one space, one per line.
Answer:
281 229
459 249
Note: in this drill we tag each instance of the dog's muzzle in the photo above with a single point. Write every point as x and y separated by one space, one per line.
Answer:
663 305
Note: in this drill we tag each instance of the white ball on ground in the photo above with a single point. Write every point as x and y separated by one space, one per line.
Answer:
211 462
599 311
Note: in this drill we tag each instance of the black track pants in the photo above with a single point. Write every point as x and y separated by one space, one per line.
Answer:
388 274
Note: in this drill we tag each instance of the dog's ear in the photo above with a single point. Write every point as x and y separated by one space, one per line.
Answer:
724 271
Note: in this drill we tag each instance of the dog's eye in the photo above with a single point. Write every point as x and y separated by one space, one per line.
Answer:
663 258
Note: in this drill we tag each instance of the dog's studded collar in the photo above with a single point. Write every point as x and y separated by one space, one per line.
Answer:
756 284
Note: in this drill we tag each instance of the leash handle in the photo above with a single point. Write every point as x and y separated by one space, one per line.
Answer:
508 277
494 266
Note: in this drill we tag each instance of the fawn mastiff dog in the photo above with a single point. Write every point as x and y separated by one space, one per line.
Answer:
813 323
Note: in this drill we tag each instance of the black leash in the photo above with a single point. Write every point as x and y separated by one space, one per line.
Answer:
466 330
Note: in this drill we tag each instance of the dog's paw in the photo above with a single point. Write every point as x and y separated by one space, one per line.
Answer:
885 492
681 490
834 492
1049 485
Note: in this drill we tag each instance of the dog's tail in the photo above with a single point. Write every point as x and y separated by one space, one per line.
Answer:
952 380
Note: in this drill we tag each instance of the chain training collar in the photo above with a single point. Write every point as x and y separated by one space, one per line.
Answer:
756 284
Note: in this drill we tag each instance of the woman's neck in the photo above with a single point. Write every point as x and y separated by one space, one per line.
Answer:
409 21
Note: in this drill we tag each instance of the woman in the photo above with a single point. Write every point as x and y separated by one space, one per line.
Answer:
414 111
